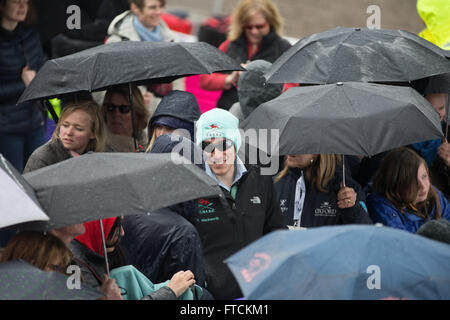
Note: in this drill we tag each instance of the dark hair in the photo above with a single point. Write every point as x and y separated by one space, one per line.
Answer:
116 258
140 3
396 180
31 17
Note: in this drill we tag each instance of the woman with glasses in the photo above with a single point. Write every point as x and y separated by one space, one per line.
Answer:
21 56
255 33
80 129
116 111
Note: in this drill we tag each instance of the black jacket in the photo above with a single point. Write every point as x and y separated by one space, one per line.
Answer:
319 208
226 227
18 49
272 47
161 244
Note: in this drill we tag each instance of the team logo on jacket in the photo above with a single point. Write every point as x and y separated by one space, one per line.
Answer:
205 206
325 210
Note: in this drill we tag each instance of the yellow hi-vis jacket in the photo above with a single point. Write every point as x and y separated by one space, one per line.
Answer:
436 16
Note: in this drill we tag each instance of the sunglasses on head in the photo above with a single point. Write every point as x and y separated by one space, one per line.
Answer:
257 26
223 145
122 109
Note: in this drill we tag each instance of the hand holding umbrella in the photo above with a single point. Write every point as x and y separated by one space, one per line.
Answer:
346 197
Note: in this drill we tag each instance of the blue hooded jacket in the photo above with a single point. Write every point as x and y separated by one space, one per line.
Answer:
383 211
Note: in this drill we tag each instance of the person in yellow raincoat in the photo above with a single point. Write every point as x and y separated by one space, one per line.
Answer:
436 16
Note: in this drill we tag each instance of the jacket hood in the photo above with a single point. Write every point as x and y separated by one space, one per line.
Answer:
92 237
180 105
252 88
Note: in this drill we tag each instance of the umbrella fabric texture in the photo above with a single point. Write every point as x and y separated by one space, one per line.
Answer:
18 202
22 281
103 185
361 54
139 62
351 118
343 262
438 84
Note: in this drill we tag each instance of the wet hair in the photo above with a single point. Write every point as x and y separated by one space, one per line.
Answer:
320 172
396 180
97 123
140 112
248 8
39 249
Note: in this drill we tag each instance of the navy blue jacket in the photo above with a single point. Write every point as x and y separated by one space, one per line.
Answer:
18 48
320 208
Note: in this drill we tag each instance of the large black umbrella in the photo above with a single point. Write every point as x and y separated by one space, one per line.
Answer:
139 62
359 54
102 185
352 118
22 281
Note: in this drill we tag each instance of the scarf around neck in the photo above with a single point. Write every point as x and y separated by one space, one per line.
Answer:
146 34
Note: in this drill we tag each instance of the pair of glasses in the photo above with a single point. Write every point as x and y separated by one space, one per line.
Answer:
122 109
223 145
257 26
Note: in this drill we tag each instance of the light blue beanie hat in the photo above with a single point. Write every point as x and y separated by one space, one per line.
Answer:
218 123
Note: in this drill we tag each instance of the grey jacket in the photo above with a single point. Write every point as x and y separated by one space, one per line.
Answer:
50 153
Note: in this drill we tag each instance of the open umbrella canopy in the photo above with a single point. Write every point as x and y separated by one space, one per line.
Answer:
22 281
139 62
18 202
351 118
343 262
103 185
359 54
438 84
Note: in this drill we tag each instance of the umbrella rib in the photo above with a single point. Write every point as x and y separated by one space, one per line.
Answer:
197 59
90 76
335 54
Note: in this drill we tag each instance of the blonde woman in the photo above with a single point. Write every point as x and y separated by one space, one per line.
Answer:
311 192
79 130
255 33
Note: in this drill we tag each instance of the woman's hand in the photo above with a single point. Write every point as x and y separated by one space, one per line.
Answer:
181 281
28 75
444 152
232 79
110 289
346 197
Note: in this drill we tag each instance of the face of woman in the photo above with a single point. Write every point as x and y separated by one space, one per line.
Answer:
424 184
160 130
118 115
150 14
256 28
301 161
75 131
14 10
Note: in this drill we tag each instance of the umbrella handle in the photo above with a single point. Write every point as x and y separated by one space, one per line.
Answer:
104 247
343 170
448 116
130 97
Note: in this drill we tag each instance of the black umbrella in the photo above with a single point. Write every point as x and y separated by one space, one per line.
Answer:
138 62
22 281
359 54
125 62
102 185
353 118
